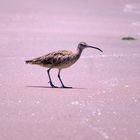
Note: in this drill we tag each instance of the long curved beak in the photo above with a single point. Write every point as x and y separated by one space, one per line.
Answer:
95 48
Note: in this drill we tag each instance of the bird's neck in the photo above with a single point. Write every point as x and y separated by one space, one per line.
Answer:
79 52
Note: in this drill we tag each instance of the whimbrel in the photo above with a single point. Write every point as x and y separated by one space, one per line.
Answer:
60 60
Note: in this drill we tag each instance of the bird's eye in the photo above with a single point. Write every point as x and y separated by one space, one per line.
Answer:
82 44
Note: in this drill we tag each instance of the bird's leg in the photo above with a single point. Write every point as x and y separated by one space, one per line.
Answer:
50 81
61 80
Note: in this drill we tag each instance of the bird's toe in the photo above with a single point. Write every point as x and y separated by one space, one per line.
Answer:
52 85
65 87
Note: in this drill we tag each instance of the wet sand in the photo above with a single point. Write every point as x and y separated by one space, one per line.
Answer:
103 103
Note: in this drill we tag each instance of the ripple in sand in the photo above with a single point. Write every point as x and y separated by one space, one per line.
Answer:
37 102
33 114
75 102
134 99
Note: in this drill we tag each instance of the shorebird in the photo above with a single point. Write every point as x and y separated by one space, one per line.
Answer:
60 60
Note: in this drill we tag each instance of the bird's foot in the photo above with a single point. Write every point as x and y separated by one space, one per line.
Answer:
52 85
65 86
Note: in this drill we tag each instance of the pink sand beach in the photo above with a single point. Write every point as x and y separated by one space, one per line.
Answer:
104 102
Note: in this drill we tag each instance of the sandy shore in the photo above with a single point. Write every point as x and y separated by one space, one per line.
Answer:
103 103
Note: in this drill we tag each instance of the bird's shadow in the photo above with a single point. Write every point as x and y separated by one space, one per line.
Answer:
54 88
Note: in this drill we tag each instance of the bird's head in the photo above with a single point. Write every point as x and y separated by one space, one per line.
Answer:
83 45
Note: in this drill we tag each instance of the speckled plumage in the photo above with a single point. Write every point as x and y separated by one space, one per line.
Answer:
60 60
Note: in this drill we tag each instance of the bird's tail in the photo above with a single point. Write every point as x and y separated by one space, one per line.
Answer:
29 61
33 61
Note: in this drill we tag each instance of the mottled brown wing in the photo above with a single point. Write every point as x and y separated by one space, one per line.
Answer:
56 58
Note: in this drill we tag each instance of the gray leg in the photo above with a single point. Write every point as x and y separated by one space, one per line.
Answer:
50 81
61 80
